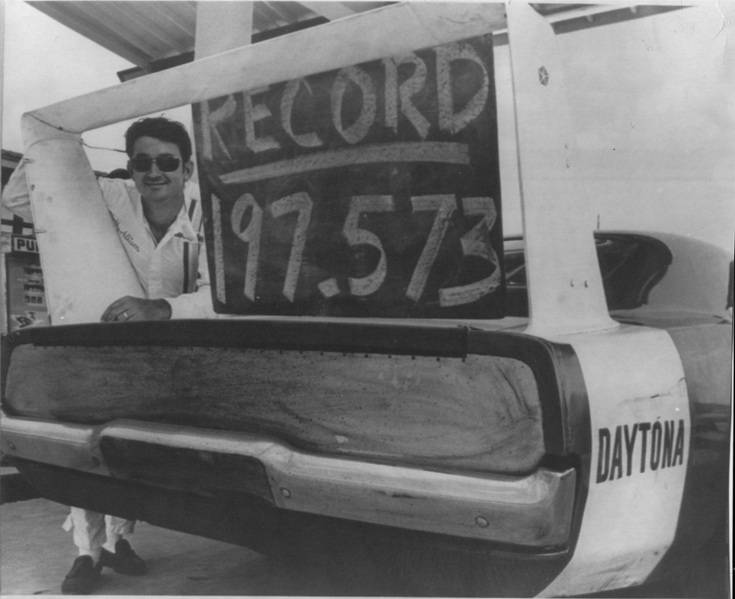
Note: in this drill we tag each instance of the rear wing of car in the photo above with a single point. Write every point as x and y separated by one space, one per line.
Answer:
630 379
571 299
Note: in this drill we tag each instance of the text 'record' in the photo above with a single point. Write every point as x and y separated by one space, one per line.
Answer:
373 190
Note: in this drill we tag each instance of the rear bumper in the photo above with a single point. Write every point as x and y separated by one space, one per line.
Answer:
532 511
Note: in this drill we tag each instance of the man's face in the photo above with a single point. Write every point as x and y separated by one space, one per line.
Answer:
155 184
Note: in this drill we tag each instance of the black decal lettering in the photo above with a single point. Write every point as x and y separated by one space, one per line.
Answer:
603 454
644 427
668 445
617 456
679 449
629 445
655 445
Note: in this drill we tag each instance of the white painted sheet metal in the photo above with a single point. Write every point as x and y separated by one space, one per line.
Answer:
79 247
641 427
565 292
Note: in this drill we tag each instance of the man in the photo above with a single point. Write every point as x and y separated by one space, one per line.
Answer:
158 218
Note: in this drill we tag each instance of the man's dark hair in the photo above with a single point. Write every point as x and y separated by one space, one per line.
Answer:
160 128
119 173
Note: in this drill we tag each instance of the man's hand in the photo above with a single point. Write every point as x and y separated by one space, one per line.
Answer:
136 308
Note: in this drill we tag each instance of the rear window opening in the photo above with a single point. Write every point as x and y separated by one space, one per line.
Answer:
631 266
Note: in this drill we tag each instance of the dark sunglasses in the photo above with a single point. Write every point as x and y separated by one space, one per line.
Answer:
165 162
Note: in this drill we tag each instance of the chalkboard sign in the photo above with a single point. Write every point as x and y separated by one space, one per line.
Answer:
372 190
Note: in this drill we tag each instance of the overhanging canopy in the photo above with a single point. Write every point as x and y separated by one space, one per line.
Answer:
155 34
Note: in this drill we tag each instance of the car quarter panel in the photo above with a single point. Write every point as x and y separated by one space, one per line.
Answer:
641 431
706 352
612 406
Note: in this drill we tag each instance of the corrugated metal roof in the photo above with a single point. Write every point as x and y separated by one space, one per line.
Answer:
159 34
146 31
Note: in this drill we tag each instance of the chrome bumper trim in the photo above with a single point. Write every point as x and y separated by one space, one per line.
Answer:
533 510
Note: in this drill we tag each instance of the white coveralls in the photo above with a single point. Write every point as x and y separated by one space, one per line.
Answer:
174 270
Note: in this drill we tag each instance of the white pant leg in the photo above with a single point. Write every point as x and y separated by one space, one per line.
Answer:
88 530
115 529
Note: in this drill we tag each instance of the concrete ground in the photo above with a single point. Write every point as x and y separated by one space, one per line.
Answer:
36 555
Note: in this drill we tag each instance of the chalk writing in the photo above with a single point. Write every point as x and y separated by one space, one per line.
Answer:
368 190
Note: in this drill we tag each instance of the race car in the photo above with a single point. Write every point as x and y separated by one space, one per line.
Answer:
468 444
387 379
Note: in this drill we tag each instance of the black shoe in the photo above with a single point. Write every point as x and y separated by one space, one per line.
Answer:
124 560
82 578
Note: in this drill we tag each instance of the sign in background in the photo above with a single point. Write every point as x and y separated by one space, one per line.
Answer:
368 191
25 293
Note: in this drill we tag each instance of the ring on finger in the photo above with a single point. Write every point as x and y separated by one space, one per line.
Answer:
125 315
